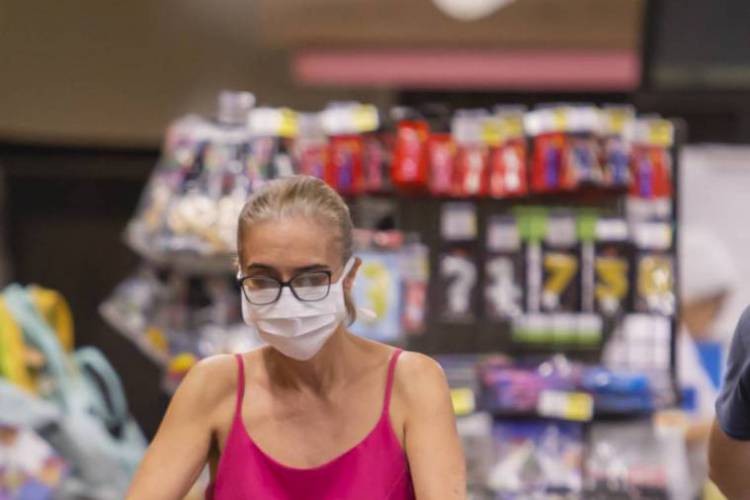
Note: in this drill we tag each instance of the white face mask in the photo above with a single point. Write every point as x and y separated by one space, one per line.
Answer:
295 328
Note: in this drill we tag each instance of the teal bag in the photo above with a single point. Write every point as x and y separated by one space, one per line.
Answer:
96 433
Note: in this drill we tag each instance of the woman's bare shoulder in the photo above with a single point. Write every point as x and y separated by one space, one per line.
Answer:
419 378
210 381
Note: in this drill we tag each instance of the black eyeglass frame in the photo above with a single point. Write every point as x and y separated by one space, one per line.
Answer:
287 284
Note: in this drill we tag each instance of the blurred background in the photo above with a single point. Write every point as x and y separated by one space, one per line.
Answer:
110 118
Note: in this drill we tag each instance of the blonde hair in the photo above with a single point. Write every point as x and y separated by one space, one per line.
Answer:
304 196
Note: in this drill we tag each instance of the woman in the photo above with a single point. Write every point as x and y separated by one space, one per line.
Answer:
318 413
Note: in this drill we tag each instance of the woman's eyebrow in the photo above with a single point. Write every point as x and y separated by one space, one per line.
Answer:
312 267
255 266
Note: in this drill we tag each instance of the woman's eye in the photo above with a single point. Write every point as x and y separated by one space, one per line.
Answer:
312 279
261 283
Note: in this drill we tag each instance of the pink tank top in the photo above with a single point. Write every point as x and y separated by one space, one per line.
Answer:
374 469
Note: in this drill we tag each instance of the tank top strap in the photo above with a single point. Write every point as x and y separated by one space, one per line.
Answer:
240 385
389 380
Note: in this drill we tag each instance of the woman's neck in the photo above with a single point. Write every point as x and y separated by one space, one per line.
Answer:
320 373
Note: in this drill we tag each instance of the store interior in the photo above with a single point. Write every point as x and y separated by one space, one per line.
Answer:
547 197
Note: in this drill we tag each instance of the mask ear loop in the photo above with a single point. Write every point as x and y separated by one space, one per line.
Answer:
367 314
347 267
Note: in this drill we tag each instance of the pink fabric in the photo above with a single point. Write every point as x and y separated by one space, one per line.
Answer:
374 469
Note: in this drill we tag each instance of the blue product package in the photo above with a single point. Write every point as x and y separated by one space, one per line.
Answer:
378 289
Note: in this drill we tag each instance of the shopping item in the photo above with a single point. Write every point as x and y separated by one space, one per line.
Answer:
654 266
297 328
29 467
441 153
470 173
537 459
546 128
615 146
581 163
503 132
651 161
411 156
613 267
344 123
504 269
378 288
96 434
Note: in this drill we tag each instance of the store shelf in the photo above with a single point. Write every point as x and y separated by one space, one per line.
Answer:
117 322
185 262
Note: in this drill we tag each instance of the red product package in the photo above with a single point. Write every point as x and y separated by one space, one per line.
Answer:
375 163
504 133
546 127
344 167
310 146
442 154
651 161
409 169
547 162
470 173
508 170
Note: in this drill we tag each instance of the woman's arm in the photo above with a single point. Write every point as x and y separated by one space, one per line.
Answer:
180 448
431 441
729 463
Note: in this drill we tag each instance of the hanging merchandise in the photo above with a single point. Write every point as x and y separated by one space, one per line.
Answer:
504 134
627 460
193 197
612 267
561 276
581 164
504 269
177 319
415 265
379 289
95 434
546 128
457 277
29 467
441 151
615 146
654 267
470 171
651 162
537 459
344 123
410 154
391 285
311 146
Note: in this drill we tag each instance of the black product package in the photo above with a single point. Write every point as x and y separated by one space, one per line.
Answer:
613 267
457 281
561 269
654 269
504 269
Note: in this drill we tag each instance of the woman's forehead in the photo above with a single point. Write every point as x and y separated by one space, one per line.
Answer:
289 242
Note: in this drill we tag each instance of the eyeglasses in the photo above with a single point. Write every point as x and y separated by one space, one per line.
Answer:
310 286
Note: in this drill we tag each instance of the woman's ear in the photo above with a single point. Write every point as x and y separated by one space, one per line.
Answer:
349 278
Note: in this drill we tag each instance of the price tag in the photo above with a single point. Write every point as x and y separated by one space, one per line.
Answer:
576 406
463 401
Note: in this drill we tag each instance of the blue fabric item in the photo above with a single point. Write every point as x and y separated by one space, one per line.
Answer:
21 408
733 404
711 359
